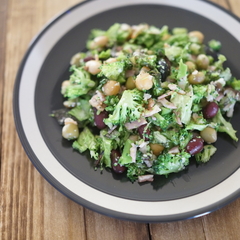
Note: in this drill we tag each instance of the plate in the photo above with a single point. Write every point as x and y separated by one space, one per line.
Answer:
198 190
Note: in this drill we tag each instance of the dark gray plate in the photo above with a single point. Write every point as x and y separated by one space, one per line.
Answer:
47 62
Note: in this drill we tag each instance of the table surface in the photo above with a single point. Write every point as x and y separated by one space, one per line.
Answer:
30 208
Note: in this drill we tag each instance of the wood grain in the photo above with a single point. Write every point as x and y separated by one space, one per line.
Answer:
30 208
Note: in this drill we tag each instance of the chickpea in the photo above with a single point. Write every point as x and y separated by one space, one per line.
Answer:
134 138
111 88
130 83
196 77
202 61
100 41
209 135
195 48
64 86
75 60
111 60
196 35
70 131
156 148
93 66
191 66
144 81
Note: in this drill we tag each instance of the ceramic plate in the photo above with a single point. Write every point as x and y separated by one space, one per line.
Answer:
196 191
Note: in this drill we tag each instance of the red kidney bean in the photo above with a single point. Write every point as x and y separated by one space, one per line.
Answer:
98 118
195 145
86 59
144 132
117 168
210 110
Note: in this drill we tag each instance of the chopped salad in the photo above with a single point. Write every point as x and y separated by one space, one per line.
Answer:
145 100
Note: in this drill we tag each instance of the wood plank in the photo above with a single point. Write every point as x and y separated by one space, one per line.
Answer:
182 230
100 227
3 22
222 3
235 6
224 223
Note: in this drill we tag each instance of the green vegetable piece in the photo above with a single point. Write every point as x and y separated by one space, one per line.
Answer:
224 126
80 83
105 54
182 72
205 155
221 59
125 157
159 138
176 31
226 74
215 45
162 121
146 60
173 52
136 169
178 137
183 102
106 146
235 84
86 141
83 110
113 70
170 163
128 109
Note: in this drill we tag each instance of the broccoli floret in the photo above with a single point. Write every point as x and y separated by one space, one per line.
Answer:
224 126
136 169
148 36
128 109
111 102
143 59
117 33
219 64
200 91
113 71
178 137
226 75
205 155
215 45
170 163
234 83
163 122
79 84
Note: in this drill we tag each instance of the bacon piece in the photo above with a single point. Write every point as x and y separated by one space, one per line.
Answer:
166 103
145 178
174 150
97 101
135 124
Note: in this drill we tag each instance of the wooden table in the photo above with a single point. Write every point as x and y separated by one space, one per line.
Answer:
30 207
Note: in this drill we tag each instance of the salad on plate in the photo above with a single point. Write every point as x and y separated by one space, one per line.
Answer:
146 101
